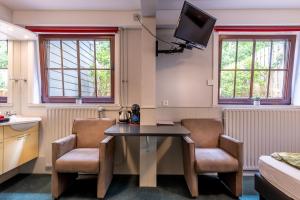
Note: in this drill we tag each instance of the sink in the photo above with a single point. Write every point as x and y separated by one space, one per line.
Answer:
23 127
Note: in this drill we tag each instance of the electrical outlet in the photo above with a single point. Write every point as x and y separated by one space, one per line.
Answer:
165 103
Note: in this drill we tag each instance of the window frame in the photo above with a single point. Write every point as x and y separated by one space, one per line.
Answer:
3 99
44 76
286 100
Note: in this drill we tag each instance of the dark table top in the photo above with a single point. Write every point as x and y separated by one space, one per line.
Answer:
146 130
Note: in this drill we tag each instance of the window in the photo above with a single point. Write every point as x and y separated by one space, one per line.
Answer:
256 67
3 71
77 66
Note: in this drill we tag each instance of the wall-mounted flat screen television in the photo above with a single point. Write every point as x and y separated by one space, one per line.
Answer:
194 26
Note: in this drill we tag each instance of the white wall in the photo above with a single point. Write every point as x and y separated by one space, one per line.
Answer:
23 68
284 17
5 13
75 18
181 79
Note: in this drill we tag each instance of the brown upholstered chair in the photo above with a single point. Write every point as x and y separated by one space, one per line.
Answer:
87 150
207 150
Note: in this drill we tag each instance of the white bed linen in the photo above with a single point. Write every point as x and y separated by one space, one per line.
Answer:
281 175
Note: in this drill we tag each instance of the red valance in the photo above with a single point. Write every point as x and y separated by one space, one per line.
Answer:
71 29
256 28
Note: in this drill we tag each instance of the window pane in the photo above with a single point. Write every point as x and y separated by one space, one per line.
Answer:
3 69
103 54
245 50
262 54
3 82
103 83
87 83
260 84
87 57
55 83
3 54
242 85
71 83
69 54
228 54
54 53
276 87
71 68
279 54
226 84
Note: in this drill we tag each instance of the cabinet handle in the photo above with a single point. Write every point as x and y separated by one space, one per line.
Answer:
22 137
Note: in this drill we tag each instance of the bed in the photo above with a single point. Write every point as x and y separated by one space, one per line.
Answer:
277 180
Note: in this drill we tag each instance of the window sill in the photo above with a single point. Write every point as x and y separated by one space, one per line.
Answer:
258 107
109 107
6 105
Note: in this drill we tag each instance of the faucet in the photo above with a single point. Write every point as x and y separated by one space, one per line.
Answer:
9 113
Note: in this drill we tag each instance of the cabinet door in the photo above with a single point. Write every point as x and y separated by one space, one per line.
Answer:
20 149
1 157
1 133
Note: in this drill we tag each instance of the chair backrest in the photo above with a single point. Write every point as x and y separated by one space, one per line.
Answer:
90 132
204 132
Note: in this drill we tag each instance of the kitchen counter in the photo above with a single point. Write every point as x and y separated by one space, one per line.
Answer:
21 120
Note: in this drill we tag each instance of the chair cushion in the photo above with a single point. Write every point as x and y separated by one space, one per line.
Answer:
204 132
84 160
90 132
214 160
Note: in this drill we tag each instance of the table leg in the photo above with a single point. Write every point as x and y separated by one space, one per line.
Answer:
148 163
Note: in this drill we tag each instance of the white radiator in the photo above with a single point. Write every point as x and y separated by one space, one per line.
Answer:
263 131
60 120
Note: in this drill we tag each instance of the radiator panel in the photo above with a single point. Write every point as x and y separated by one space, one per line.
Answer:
263 131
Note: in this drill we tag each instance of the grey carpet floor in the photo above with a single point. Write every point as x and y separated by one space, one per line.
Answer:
37 187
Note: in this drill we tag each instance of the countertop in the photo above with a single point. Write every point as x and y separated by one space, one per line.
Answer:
21 120
145 130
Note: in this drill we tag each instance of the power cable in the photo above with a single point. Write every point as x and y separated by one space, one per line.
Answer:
153 35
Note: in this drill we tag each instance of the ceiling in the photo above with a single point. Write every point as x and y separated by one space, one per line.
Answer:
72 4
230 4
136 4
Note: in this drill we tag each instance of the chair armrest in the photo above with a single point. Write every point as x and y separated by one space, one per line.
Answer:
107 150
188 140
62 146
189 160
233 147
188 149
106 154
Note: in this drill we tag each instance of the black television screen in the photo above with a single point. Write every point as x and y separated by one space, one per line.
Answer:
194 26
